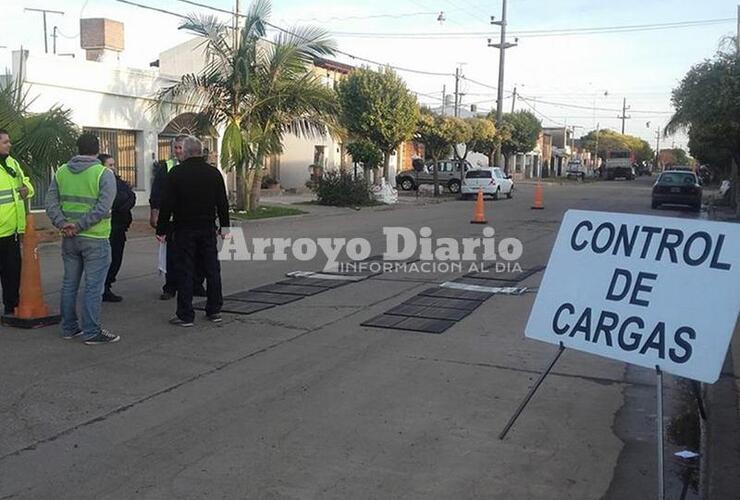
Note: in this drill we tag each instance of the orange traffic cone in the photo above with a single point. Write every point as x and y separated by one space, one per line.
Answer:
538 197
31 312
479 216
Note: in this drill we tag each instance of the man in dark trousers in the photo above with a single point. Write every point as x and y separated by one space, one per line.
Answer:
15 188
174 274
120 221
194 195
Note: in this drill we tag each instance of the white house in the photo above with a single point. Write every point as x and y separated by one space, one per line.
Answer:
116 103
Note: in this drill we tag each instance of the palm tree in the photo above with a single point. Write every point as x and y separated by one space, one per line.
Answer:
41 141
258 90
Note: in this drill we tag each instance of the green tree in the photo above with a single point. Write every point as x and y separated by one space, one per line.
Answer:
484 139
257 90
609 140
704 149
523 129
377 106
439 134
707 103
459 132
366 154
41 141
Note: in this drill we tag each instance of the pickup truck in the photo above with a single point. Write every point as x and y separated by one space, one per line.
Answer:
576 169
448 175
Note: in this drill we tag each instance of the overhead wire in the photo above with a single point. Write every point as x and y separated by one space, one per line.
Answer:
284 30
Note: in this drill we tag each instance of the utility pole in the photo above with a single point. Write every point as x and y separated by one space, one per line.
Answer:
444 100
44 12
501 46
657 149
457 92
737 35
513 100
54 37
624 116
236 24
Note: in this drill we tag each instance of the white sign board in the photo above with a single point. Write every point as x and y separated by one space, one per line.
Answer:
651 291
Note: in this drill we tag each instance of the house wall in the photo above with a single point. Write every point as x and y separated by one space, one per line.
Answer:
99 95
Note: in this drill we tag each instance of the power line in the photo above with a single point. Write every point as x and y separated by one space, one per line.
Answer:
538 33
370 16
526 101
352 56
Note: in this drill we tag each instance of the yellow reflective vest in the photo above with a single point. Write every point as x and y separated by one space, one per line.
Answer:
78 193
12 206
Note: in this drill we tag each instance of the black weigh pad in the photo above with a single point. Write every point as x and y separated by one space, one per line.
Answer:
508 276
317 282
237 307
290 289
452 293
264 297
417 311
422 325
421 300
467 280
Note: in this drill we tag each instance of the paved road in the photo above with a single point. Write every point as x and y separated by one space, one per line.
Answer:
302 402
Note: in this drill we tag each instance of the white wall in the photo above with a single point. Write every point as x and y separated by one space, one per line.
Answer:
188 57
99 95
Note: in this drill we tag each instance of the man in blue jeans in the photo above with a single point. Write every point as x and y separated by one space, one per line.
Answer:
78 203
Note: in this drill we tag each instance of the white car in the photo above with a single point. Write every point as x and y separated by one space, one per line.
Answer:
491 180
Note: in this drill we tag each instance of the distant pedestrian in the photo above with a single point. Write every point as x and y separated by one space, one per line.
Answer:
78 203
194 196
120 221
15 188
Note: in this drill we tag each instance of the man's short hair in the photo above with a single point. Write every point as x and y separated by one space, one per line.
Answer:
4 132
88 145
178 138
192 147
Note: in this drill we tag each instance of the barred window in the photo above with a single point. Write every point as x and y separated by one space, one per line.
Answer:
121 145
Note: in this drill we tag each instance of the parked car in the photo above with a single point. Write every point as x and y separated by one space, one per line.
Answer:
448 175
491 180
677 187
576 169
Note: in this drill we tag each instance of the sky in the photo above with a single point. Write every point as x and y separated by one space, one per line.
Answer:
570 72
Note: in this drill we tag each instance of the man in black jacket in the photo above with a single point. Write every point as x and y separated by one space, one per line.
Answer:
194 194
174 273
120 221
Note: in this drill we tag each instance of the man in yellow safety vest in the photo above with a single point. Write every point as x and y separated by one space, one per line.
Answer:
15 188
79 204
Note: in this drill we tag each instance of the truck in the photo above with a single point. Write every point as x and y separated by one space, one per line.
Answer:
619 164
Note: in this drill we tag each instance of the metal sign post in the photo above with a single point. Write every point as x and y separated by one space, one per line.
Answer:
531 392
661 475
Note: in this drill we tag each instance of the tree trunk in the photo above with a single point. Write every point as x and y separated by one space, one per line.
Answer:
490 158
506 164
241 202
386 165
254 197
435 179
248 188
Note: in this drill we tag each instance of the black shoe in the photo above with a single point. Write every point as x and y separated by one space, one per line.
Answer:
199 292
166 296
181 322
109 296
70 336
214 318
104 337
